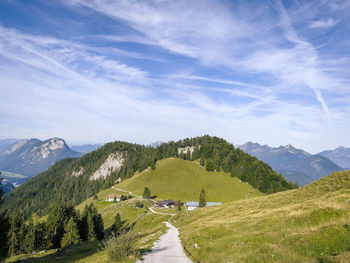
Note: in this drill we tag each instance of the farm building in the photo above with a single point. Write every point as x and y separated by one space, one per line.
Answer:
166 203
194 205
112 197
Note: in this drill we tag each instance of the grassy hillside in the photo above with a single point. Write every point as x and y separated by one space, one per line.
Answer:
178 179
310 224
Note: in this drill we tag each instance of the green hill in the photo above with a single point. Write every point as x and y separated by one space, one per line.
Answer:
310 224
179 179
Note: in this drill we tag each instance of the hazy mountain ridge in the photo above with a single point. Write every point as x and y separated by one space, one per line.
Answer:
340 156
86 148
6 144
295 164
29 157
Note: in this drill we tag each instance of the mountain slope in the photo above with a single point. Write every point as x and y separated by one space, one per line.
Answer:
75 180
178 179
310 224
6 144
32 156
340 155
295 164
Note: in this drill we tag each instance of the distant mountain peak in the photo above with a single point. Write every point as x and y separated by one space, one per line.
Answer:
32 156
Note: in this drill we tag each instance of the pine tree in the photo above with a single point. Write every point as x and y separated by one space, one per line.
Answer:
202 198
209 165
118 225
91 228
71 235
4 228
99 226
146 193
83 226
179 208
15 234
29 240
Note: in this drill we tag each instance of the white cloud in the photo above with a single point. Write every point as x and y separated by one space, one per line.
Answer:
324 23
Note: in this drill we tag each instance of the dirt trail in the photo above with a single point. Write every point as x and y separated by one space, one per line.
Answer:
167 249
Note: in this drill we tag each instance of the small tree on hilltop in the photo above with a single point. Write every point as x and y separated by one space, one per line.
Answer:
146 193
202 198
179 208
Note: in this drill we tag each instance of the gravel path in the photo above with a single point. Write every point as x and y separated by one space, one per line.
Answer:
167 249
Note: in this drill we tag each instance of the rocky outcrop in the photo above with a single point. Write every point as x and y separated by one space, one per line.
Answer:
113 163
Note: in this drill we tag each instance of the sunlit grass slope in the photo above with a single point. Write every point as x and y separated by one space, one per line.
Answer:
310 224
182 180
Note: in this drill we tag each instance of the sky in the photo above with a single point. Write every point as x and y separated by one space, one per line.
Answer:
274 72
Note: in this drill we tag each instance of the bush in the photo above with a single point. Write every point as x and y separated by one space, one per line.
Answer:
139 204
121 247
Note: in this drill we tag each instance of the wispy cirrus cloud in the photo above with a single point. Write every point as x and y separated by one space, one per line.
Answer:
143 71
324 23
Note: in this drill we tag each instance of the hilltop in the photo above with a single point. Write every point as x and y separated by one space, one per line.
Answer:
309 224
179 179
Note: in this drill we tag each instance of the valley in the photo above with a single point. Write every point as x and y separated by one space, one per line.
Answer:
249 225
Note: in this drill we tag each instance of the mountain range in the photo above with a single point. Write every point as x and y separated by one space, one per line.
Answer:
296 165
22 159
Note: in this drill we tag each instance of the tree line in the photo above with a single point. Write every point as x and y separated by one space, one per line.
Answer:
63 227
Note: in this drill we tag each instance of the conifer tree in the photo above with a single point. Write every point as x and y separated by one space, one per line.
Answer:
91 228
209 165
146 193
179 208
16 234
202 198
71 235
4 228
83 226
57 219
118 225
99 226
29 240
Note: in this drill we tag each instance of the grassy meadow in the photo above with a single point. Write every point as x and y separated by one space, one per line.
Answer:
310 224
177 179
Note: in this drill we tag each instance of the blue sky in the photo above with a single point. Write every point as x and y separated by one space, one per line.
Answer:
273 72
